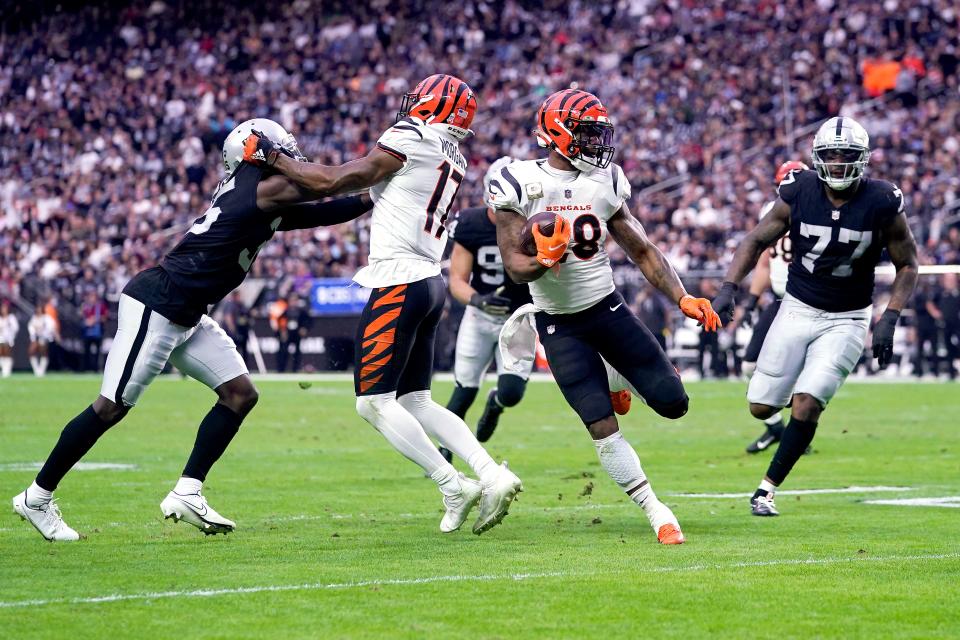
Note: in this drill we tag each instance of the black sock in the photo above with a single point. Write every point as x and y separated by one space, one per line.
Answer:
215 433
461 399
796 438
776 429
76 439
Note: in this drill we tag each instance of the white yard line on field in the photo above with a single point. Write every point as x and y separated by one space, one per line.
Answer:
797 492
945 501
80 466
319 586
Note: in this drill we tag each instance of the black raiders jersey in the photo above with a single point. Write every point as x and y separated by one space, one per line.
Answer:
213 257
473 230
835 249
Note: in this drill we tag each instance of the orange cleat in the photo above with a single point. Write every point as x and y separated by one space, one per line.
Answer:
670 534
621 402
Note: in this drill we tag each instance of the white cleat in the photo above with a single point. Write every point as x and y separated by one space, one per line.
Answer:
763 506
495 499
45 518
193 509
459 505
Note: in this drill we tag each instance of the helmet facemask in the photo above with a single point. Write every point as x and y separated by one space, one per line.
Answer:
288 145
591 143
840 165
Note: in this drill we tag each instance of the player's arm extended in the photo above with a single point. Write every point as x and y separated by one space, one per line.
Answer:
325 180
461 264
629 234
770 229
518 265
903 253
324 214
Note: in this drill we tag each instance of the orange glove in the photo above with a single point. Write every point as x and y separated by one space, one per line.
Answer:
700 310
551 248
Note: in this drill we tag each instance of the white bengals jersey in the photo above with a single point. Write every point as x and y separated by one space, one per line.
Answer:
9 326
408 227
42 328
780 257
587 200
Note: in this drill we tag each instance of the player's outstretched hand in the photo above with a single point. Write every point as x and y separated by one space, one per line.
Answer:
725 303
883 337
492 303
700 310
551 248
259 150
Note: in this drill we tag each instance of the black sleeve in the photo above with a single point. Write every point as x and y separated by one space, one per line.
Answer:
893 203
323 214
462 233
790 186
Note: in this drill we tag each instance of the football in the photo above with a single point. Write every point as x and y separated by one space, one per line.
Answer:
546 221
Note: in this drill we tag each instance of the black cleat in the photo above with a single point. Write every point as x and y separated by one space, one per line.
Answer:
447 454
489 418
770 437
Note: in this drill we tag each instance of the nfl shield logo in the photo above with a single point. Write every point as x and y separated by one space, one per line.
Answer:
567 193
835 214
551 328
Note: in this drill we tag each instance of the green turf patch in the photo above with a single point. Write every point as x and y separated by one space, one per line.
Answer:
338 535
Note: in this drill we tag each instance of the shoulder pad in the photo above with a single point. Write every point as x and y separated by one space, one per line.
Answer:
794 181
507 190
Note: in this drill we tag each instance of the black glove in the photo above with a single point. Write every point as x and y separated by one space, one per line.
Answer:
749 306
883 337
726 302
260 150
492 303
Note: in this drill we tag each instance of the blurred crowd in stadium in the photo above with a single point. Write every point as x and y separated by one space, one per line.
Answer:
111 119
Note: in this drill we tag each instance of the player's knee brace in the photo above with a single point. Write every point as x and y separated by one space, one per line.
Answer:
510 389
461 399
669 399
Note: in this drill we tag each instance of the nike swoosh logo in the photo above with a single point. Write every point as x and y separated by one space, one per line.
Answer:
201 509
616 307
554 248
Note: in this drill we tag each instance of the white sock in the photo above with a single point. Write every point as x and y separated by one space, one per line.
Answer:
447 479
37 495
403 432
773 420
452 432
35 365
767 486
6 366
43 361
622 464
188 486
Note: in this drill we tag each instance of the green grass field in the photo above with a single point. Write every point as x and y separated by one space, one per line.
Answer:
338 535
